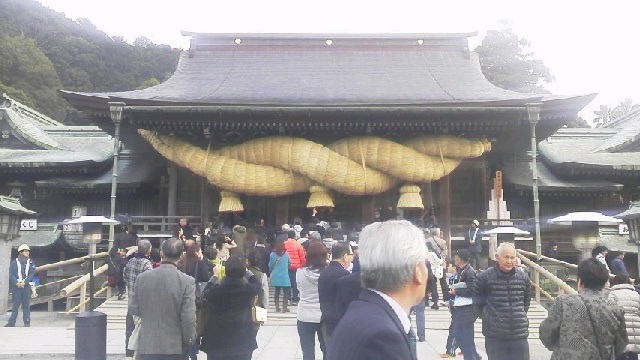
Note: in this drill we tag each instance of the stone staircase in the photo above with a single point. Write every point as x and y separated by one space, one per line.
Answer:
440 320
116 311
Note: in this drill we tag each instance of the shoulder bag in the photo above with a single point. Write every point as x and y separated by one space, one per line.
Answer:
595 334
203 308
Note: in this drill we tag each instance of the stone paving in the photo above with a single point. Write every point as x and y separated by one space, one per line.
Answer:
52 336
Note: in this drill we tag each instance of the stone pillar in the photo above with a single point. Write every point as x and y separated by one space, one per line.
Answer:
5 259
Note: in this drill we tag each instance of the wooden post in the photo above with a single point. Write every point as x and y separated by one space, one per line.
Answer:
282 210
536 280
83 296
368 209
172 198
444 216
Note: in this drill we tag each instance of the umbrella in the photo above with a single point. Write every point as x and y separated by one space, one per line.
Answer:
93 219
507 230
570 218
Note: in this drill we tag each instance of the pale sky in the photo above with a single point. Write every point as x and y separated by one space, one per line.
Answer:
589 46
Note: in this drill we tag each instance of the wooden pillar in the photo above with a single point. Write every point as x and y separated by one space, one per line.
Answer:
427 196
444 217
205 203
172 198
368 209
282 210
485 191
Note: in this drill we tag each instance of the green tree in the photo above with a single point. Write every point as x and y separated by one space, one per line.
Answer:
507 62
24 67
148 83
607 114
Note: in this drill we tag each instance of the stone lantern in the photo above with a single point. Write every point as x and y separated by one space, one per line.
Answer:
585 229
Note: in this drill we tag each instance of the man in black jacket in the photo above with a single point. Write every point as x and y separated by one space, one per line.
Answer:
462 312
341 257
503 293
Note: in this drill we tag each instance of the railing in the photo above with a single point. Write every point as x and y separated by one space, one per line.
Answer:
48 291
81 284
538 270
160 225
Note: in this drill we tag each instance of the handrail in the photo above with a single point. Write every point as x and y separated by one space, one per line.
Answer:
85 301
82 280
543 291
546 273
559 262
68 262
58 281
542 257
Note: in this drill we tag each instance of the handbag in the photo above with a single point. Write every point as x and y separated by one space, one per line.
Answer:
203 308
200 286
595 334
258 315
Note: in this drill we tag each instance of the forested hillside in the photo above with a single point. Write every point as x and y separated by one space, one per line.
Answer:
42 51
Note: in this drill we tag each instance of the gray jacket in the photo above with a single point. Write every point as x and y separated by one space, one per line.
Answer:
570 334
164 298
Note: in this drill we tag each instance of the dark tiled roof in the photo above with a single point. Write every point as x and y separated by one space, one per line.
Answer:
582 149
632 213
302 70
133 170
519 173
628 132
59 145
46 235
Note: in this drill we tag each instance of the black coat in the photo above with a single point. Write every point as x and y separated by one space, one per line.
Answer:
503 300
348 289
370 330
327 292
466 275
230 330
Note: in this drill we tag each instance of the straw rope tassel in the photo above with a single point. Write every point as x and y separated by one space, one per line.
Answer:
319 197
410 197
230 202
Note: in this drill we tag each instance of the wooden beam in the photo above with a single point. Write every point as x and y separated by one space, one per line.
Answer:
444 215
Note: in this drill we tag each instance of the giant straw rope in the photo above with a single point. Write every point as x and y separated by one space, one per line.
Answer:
279 165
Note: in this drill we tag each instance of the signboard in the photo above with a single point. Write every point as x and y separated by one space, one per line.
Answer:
623 229
498 184
78 211
29 225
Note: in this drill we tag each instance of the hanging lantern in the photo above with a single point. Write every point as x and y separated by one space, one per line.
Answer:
230 203
410 197
319 197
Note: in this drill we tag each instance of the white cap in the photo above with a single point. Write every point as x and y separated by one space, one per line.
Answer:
476 222
23 247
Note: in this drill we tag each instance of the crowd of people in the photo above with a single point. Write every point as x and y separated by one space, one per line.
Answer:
354 292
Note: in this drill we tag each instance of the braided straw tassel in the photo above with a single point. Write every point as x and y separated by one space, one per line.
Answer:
319 197
410 197
230 203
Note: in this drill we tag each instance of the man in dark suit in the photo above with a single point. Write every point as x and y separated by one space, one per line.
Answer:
164 298
341 258
394 275
473 240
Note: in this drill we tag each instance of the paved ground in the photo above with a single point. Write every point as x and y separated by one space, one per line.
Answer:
52 336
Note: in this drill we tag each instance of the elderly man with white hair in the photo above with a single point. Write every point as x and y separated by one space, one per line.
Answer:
394 277
503 296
